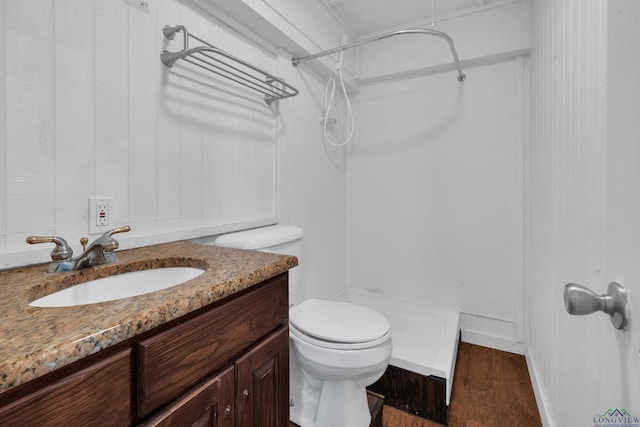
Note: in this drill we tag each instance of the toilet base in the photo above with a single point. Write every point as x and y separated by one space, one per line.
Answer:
376 406
302 407
327 404
342 404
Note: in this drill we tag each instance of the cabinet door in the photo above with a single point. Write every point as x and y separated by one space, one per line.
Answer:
209 404
263 383
174 361
97 395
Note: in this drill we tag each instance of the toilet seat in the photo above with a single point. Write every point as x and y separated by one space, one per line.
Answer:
332 345
338 325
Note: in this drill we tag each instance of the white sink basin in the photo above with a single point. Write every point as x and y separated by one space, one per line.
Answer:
119 286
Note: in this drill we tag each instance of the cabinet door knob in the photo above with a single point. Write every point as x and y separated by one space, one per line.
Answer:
245 392
227 410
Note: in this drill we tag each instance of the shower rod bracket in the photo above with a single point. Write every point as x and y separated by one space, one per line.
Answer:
461 76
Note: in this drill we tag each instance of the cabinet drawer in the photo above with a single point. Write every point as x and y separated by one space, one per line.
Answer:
210 403
173 361
77 400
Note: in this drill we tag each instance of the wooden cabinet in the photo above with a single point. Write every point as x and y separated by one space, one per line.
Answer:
227 365
258 381
209 404
99 394
263 383
173 361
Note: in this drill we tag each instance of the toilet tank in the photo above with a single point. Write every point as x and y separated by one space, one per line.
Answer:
280 239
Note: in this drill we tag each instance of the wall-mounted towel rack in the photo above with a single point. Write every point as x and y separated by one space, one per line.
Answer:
208 56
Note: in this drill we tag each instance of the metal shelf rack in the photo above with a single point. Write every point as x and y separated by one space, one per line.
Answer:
223 64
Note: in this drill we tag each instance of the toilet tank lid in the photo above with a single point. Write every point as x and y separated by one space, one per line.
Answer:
260 238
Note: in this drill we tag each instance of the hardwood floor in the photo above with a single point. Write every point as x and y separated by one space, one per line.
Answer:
491 388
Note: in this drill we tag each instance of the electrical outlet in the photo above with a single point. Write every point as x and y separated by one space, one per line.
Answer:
102 215
99 214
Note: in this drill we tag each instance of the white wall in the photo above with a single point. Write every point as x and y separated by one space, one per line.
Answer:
89 110
435 183
496 30
312 188
584 204
435 191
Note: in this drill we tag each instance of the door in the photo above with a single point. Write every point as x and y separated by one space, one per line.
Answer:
263 383
619 361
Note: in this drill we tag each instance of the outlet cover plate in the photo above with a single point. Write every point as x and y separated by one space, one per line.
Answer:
100 209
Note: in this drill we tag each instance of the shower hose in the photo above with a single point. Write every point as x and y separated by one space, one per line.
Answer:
328 101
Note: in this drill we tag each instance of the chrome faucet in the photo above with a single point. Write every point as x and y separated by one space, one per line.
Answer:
99 252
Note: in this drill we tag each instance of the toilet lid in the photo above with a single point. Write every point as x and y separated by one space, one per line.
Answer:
338 322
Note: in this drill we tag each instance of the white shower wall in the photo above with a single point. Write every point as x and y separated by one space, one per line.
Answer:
436 187
435 191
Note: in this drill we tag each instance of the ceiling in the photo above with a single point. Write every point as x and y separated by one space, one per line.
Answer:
366 17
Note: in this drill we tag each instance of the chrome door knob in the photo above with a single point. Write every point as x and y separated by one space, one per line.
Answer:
580 300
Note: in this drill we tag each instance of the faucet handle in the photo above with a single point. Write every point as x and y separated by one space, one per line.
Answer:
62 251
111 245
124 229
83 242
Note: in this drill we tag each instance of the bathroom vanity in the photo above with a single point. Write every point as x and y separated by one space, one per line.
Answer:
211 351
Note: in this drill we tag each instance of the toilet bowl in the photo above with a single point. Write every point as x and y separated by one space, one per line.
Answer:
336 349
341 348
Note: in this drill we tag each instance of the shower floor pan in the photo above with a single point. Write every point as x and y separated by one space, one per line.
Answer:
425 345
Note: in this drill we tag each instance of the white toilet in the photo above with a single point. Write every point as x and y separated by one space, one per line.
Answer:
336 349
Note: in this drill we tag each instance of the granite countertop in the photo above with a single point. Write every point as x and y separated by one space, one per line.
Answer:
35 341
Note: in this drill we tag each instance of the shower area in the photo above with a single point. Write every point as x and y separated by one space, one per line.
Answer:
435 195
434 188
435 214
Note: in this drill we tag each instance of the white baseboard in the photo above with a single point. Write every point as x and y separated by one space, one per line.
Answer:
537 390
490 332
496 342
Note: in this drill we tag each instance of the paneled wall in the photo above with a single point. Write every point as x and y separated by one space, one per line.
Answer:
87 109
568 205
584 206
315 196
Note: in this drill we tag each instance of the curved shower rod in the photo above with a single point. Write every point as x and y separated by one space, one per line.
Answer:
461 76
